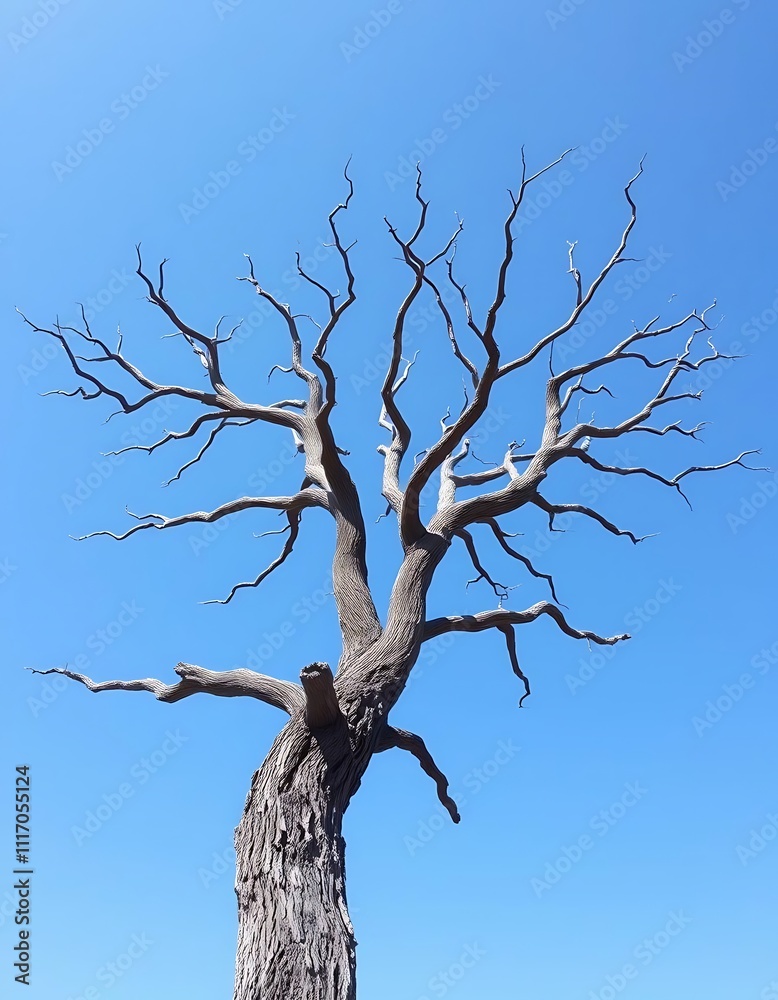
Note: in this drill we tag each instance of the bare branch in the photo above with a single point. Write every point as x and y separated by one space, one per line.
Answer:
552 509
209 354
617 470
585 299
661 431
510 641
502 617
500 590
171 435
336 310
411 527
448 489
221 397
650 331
391 416
508 468
196 680
403 740
500 295
458 354
726 465
220 426
294 530
675 481
502 537
504 621
282 308
309 497
580 387
662 397
575 273
465 301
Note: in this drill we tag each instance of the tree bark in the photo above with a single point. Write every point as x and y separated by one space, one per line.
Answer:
295 938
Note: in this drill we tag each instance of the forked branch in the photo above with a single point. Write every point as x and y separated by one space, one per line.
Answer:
309 497
504 621
501 617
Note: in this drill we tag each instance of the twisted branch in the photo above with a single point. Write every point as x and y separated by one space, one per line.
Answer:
403 740
240 683
502 617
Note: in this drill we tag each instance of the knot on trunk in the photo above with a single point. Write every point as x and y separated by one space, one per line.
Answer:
321 702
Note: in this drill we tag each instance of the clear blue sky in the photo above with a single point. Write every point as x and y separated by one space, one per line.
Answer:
273 99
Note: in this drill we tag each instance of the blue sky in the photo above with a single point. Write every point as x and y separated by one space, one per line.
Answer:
617 833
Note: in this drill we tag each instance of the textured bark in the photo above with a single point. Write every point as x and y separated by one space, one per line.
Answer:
295 938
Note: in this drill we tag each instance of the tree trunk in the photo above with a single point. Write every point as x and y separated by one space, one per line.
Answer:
295 938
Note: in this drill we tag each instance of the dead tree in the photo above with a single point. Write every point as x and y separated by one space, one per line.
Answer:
295 935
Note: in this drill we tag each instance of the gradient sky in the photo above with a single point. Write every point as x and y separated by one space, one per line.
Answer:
223 132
